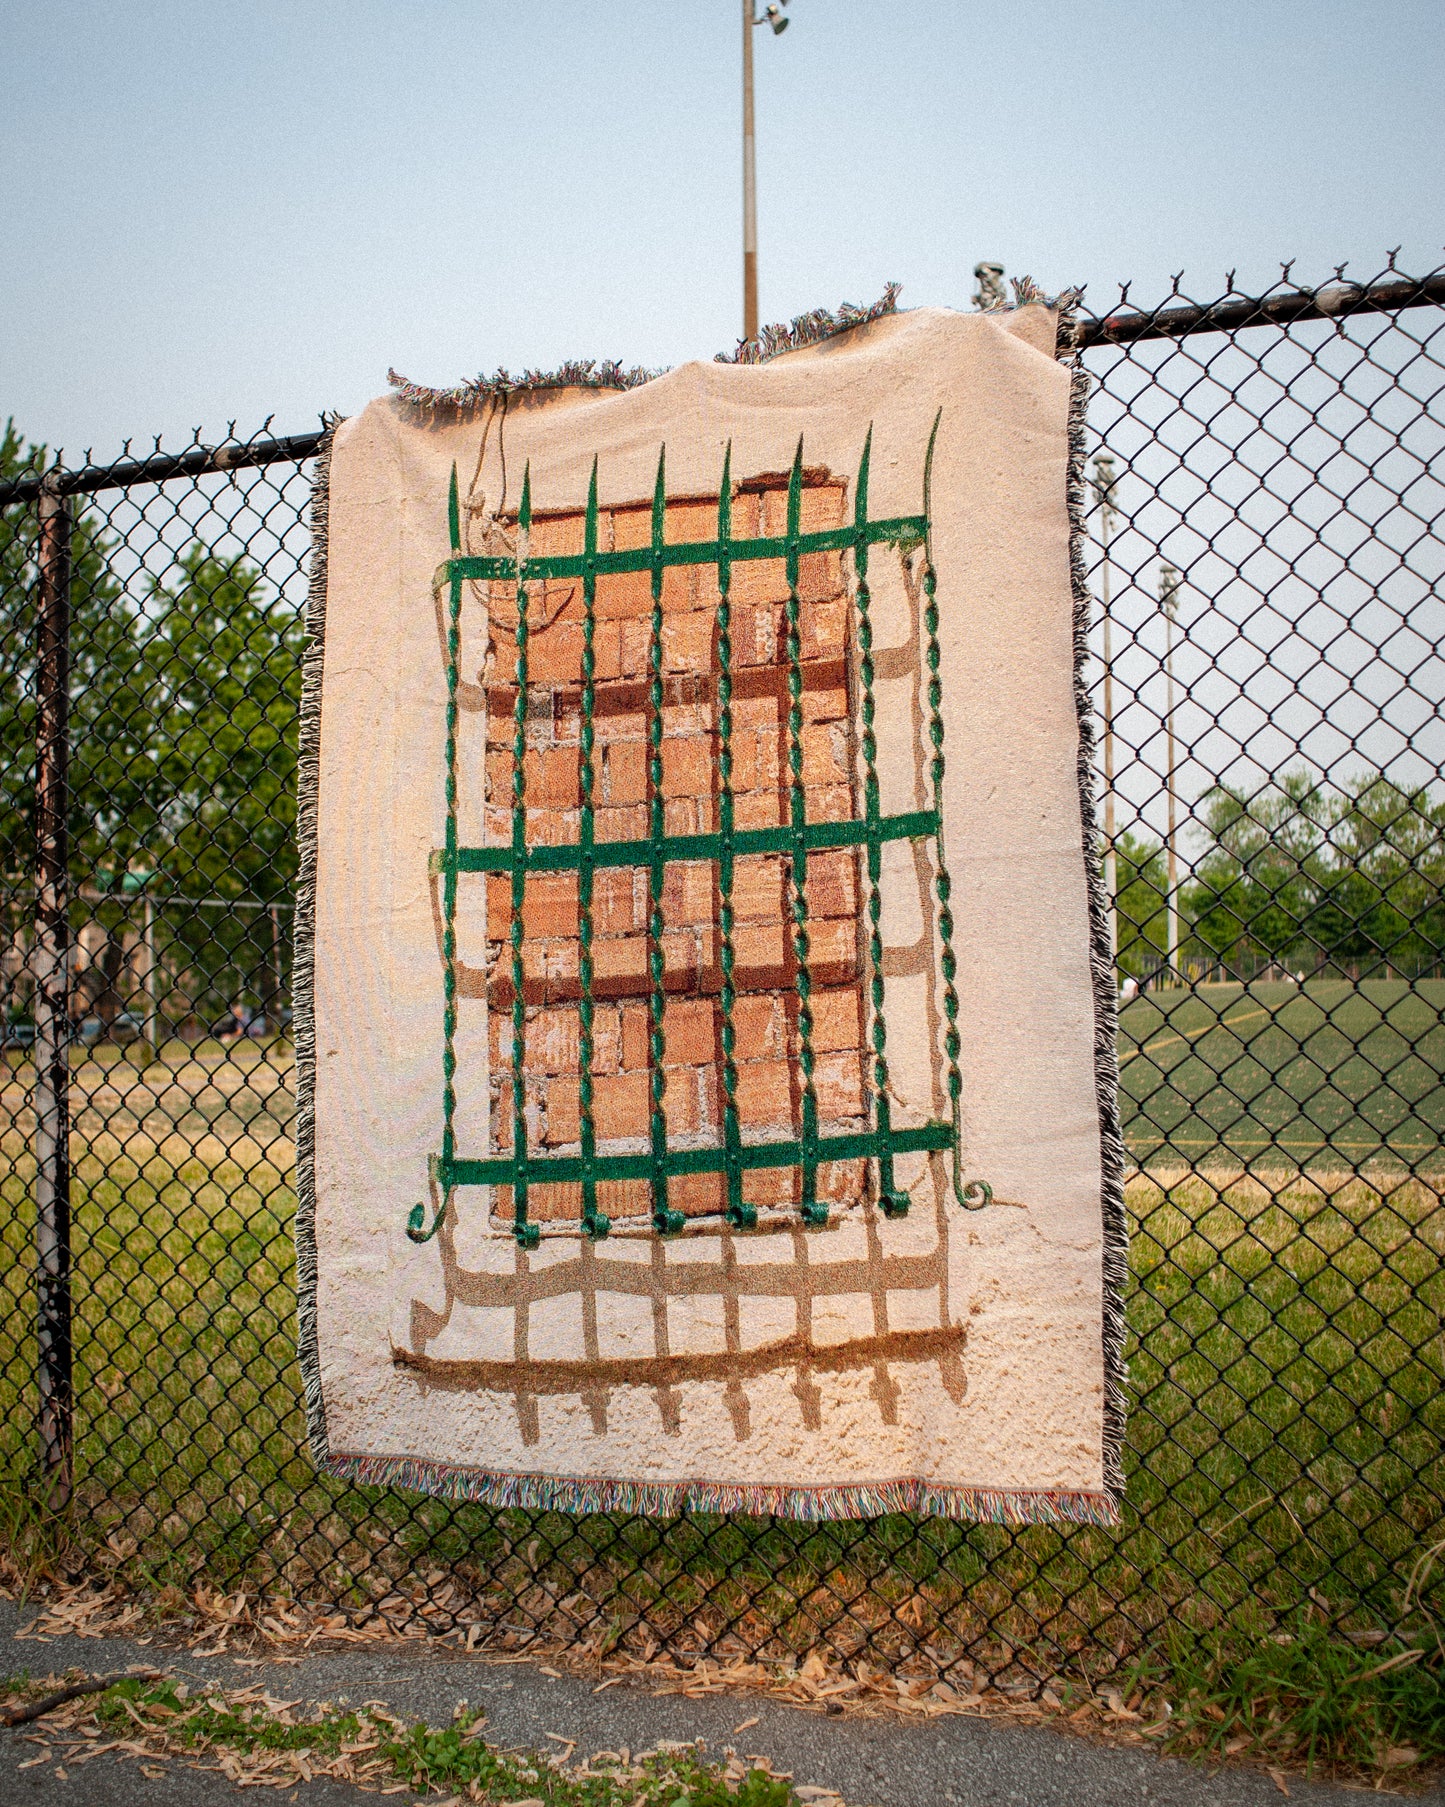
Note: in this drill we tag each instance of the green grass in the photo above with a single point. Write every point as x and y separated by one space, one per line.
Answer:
1305 1696
444 1760
1287 1434
1327 1075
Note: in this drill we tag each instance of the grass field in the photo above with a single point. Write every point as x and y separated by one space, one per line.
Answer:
1286 1367
1326 1075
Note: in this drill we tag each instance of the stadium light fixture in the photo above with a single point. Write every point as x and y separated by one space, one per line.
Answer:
774 16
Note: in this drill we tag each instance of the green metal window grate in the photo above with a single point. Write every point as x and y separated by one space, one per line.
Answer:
797 839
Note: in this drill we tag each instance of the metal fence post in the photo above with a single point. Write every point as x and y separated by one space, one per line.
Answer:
52 1001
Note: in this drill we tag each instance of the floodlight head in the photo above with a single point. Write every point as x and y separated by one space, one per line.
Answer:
776 17
1169 581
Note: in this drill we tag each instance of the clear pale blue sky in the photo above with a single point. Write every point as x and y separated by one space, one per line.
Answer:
217 208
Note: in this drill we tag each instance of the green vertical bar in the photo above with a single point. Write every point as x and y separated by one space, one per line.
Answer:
741 1216
892 1202
948 964
527 1234
595 1223
664 1219
812 1211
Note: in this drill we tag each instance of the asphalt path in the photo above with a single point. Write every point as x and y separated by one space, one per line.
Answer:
953 1761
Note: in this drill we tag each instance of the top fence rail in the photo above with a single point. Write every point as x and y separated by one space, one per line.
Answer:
1125 326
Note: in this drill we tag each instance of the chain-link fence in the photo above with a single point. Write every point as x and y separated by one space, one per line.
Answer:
1267 490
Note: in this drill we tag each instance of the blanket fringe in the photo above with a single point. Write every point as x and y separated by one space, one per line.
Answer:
1101 963
304 954
662 1499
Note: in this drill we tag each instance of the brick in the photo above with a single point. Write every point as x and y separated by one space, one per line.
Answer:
686 716
772 1186
758 888
697 1194
607 648
631 527
823 630
822 507
760 1025
555 655
689 1026
833 951
833 888
499 776
620 1105
837 1019
549 907
688 894
624 1198
682 1103
682 959
758 581
687 767
690 521
554 536
624 773
553 780
760 957
820 578
499 905
823 702
843 1182
825 754
830 803
688 815
558 1201
635 1035
759 809
564 1113
765 1095
619 965
687 640
757 759
838 1083
628 824
761 714
550 827
618 902
635 641
624 595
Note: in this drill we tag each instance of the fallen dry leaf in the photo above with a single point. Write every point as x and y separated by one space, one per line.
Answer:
1277 1776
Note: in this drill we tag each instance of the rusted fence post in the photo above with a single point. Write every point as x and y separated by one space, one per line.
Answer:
52 1001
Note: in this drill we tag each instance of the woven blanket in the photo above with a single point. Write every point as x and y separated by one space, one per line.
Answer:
704 1013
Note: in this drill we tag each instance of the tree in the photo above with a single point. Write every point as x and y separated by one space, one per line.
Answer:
184 714
1303 872
1141 899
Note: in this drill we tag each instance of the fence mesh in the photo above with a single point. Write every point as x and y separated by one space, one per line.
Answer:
1267 481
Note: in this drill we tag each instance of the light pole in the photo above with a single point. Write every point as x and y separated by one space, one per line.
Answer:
1105 486
773 15
1169 601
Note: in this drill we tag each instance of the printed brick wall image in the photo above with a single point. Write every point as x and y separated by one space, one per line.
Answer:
767 1007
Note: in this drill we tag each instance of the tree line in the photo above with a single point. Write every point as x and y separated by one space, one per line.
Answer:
184 710
1300 873
184 705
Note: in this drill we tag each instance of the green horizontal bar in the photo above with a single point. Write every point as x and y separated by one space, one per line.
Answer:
689 552
817 837
542 1170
